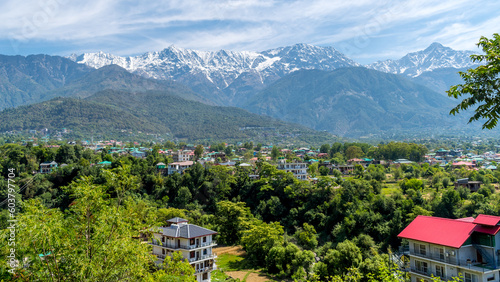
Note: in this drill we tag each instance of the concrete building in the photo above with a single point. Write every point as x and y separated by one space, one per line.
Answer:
194 242
446 248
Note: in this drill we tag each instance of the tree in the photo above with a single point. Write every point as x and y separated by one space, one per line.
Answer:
354 152
91 241
198 152
260 239
275 153
482 84
306 236
175 268
230 220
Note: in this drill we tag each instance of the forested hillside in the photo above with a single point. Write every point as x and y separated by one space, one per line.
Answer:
326 230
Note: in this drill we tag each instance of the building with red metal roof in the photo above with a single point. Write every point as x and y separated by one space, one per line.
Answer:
445 248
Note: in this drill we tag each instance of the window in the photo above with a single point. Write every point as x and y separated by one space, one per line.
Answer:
163 239
419 249
191 254
439 271
162 251
204 251
441 254
191 242
204 239
205 276
421 266
470 277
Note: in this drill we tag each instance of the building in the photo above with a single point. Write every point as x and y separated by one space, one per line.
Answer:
161 168
47 167
473 186
138 154
299 170
179 167
183 156
194 242
446 247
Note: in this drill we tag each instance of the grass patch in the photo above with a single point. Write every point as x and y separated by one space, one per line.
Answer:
229 262
389 188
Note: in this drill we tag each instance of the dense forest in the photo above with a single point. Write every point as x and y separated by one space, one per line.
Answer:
81 222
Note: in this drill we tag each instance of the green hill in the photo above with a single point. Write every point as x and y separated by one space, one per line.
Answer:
193 120
112 113
354 102
78 115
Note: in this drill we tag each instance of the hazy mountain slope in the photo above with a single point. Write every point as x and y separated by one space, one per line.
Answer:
352 101
25 79
117 78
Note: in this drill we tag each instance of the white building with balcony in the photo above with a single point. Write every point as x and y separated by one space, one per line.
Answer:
299 170
179 167
446 248
194 242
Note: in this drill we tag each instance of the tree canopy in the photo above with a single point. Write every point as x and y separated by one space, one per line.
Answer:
482 84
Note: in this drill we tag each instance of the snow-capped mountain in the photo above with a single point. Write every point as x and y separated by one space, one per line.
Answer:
223 71
436 56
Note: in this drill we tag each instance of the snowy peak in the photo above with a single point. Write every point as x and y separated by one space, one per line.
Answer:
435 56
222 67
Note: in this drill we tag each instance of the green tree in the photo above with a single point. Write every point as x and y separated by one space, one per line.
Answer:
354 152
306 236
230 221
198 151
260 238
482 84
275 153
91 241
175 268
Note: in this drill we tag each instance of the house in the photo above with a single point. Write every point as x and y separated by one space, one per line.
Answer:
194 242
161 168
138 154
47 167
346 169
468 165
473 186
179 167
445 247
183 156
299 170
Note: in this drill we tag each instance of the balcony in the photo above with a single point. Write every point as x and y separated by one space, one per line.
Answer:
182 247
197 258
436 256
430 274
205 269
202 257
463 263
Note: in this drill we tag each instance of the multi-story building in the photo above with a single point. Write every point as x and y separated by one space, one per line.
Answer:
183 155
179 167
194 242
446 248
47 167
299 170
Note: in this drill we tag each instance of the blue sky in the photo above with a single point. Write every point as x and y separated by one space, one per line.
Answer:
364 30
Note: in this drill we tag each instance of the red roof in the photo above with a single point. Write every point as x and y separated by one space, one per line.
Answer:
441 231
489 220
491 230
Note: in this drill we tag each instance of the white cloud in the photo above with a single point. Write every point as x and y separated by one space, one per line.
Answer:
368 27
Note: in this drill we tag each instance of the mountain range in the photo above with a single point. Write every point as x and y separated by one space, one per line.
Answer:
231 77
354 101
314 86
